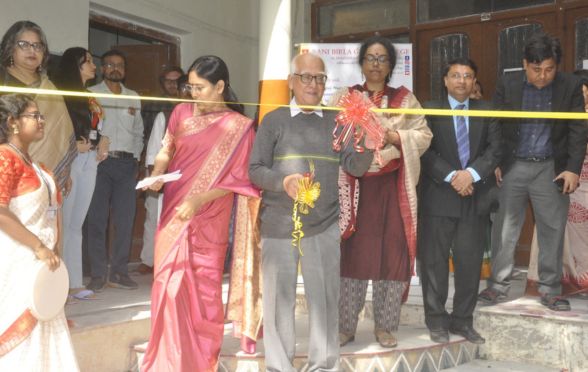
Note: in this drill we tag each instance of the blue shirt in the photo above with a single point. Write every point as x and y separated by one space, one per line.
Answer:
453 104
535 134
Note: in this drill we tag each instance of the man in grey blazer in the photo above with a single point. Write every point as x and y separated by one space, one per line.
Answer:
457 173
542 162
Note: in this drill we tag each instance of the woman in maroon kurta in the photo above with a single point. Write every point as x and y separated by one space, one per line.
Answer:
382 242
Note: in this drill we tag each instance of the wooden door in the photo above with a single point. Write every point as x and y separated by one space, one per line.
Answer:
496 46
502 45
435 48
144 64
575 42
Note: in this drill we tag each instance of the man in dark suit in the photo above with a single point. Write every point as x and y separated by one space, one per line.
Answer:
542 162
457 172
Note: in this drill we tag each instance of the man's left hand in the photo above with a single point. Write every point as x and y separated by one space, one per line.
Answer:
571 181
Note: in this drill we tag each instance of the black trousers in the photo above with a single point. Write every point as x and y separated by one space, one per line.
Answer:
466 236
114 193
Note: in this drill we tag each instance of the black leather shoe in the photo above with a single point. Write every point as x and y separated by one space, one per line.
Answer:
440 336
122 281
97 284
469 333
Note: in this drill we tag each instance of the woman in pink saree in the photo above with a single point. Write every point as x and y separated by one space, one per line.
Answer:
209 143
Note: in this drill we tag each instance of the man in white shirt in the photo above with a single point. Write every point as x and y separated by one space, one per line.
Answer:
116 178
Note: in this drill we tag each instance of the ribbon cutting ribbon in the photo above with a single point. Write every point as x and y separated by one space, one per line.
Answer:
358 120
308 193
432 112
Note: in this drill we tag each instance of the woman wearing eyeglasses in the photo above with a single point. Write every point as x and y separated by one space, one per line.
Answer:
29 232
23 61
379 239
75 69
209 143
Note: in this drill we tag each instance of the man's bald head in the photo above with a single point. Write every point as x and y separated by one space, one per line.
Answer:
307 79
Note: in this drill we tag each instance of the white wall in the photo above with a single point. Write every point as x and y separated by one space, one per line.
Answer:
65 22
226 28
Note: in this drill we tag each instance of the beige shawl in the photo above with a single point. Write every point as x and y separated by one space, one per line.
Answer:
57 149
415 138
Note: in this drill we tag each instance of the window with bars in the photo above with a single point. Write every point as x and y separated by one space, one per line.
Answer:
442 50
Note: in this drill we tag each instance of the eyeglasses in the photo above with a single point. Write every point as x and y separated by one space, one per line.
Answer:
119 66
189 88
370 58
308 78
458 76
35 115
26 46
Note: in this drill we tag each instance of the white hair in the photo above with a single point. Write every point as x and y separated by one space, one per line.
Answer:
294 63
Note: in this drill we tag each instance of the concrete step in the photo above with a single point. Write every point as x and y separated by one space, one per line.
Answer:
525 331
415 352
103 329
479 365
396 360
110 335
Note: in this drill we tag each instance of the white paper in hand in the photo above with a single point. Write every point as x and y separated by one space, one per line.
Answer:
168 177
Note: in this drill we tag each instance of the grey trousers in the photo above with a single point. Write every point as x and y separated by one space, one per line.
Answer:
320 269
534 181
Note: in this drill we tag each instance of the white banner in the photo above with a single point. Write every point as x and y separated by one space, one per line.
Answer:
344 70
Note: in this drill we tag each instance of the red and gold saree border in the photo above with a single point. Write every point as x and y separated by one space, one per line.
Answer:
204 179
17 332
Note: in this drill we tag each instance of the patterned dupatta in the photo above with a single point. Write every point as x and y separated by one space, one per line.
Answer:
415 138
57 150
171 229
244 306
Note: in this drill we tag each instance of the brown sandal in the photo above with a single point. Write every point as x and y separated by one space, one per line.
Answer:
491 296
555 303
385 339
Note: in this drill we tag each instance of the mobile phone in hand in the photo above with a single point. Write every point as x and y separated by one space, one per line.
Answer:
560 184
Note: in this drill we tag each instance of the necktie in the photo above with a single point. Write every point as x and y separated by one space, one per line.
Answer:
463 139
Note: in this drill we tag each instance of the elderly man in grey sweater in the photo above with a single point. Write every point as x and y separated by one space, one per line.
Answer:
288 140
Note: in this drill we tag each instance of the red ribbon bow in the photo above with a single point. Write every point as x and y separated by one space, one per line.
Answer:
358 120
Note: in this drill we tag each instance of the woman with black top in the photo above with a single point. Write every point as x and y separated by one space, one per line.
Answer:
75 69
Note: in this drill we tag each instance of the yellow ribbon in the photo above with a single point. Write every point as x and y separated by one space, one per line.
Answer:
407 111
308 193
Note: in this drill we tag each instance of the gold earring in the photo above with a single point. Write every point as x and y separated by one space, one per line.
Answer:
11 62
15 129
